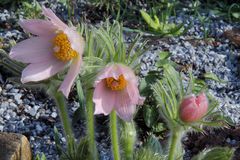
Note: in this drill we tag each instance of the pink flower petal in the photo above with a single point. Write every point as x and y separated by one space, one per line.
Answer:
38 27
128 73
41 71
202 102
133 93
54 19
123 106
111 70
193 108
32 50
189 114
71 76
132 86
77 42
125 101
103 98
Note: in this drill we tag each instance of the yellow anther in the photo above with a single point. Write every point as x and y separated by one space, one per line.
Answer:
62 48
116 84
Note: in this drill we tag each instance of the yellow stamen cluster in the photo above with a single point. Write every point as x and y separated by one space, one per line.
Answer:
116 84
62 48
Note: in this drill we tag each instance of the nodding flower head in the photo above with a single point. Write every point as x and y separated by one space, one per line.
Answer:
193 108
54 48
116 88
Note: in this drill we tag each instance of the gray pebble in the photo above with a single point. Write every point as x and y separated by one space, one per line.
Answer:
54 115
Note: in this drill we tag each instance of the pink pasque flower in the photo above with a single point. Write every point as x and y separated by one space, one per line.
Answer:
55 47
116 87
193 108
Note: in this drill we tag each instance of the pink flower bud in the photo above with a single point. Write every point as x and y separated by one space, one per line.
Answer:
193 108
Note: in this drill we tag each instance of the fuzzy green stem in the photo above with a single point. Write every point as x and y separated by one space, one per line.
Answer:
114 135
90 126
128 139
62 107
175 137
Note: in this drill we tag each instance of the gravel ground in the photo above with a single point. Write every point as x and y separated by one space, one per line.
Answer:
34 115
219 57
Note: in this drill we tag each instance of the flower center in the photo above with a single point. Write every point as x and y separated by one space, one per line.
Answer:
116 84
62 48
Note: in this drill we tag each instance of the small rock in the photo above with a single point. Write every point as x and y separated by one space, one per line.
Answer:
32 112
7 116
1 128
233 35
4 105
8 86
18 97
228 140
13 105
39 128
14 147
54 115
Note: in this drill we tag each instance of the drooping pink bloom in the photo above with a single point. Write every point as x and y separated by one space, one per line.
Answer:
193 108
54 48
116 88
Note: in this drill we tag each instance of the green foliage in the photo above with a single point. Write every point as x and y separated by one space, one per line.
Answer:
147 81
113 7
150 115
41 157
164 59
153 76
153 144
31 10
80 113
106 45
151 118
125 10
146 154
162 28
225 9
204 22
12 66
75 151
212 76
11 2
217 153
151 149
234 12
158 127
169 91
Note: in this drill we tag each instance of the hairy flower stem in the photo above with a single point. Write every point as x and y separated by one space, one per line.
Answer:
114 135
128 139
90 126
62 107
174 143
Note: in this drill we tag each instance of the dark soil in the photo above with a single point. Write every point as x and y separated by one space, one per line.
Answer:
227 137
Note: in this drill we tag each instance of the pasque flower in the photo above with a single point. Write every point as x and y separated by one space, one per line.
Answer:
116 87
193 107
55 47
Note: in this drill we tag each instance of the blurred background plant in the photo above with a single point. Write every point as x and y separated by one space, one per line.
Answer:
229 10
162 28
12 3
41 157
30 10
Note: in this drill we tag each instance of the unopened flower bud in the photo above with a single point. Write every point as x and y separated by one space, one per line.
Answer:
193 107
